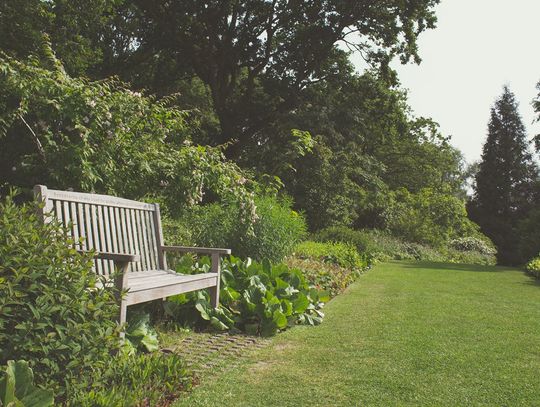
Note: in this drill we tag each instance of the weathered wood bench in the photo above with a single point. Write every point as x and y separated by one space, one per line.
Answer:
127 237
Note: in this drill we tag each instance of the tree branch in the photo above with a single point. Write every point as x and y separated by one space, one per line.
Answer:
40 148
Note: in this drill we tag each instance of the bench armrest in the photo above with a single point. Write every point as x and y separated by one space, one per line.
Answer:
202 250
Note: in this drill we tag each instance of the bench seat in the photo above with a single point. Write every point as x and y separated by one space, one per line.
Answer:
149 285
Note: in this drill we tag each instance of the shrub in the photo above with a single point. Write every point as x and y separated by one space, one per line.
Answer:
429 217
382 246
473 244
342 254
533 267
275 232
323 275
98 136
257 298
469 257
362 242
48 315
134 380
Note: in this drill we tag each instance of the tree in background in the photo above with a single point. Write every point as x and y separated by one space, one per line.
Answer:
505 182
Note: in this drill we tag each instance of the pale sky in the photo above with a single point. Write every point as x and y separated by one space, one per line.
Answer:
477 47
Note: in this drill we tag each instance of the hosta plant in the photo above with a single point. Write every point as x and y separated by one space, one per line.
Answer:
17 387
256 298
140 335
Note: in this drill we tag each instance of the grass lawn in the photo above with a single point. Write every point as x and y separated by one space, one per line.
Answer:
405 334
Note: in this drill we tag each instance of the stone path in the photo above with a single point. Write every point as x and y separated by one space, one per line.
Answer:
207 355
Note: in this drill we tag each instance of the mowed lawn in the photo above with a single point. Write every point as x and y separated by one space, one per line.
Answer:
422 334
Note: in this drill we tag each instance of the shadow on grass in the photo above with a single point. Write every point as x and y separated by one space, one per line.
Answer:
456 267
531 280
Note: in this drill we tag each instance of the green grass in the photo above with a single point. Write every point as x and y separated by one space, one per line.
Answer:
405 334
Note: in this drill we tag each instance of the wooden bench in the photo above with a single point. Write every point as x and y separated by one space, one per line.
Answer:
127 237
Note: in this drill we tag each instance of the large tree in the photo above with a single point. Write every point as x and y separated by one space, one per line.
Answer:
256 56
505 182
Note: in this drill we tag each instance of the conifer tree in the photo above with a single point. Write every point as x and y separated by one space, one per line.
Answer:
504 191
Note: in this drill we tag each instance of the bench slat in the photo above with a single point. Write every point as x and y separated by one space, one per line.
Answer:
154 293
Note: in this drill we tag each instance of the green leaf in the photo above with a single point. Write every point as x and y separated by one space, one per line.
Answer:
301 303
17 388
203 310
279 319
217 324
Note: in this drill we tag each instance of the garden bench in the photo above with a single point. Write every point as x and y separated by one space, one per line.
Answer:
126 237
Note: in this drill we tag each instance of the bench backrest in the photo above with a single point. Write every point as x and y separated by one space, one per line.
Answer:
108 224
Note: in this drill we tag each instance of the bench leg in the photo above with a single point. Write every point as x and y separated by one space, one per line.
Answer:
214 296
122 316
121 285
214 291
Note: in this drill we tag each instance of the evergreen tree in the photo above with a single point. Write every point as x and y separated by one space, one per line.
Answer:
505 181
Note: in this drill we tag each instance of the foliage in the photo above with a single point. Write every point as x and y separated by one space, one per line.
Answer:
257 57
470 243
100 136
533 267
323 275
358 238
256 298
382 246
428 217
134 380
339 253
507 180
73 28
17 387
529 238
140 335
276 230
49 316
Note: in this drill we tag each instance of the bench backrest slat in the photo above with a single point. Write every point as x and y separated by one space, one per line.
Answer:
108 224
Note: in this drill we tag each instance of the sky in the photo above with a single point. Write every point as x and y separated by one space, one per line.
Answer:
477 47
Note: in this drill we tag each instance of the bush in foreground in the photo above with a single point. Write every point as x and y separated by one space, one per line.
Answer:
48 316
134 380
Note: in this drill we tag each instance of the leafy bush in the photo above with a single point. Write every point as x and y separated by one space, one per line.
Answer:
323 275
473 244
533 267
342 254
134 380
17 387
275 232
99 136
382 246
361 240
48 314
429 217
468 257
256 298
